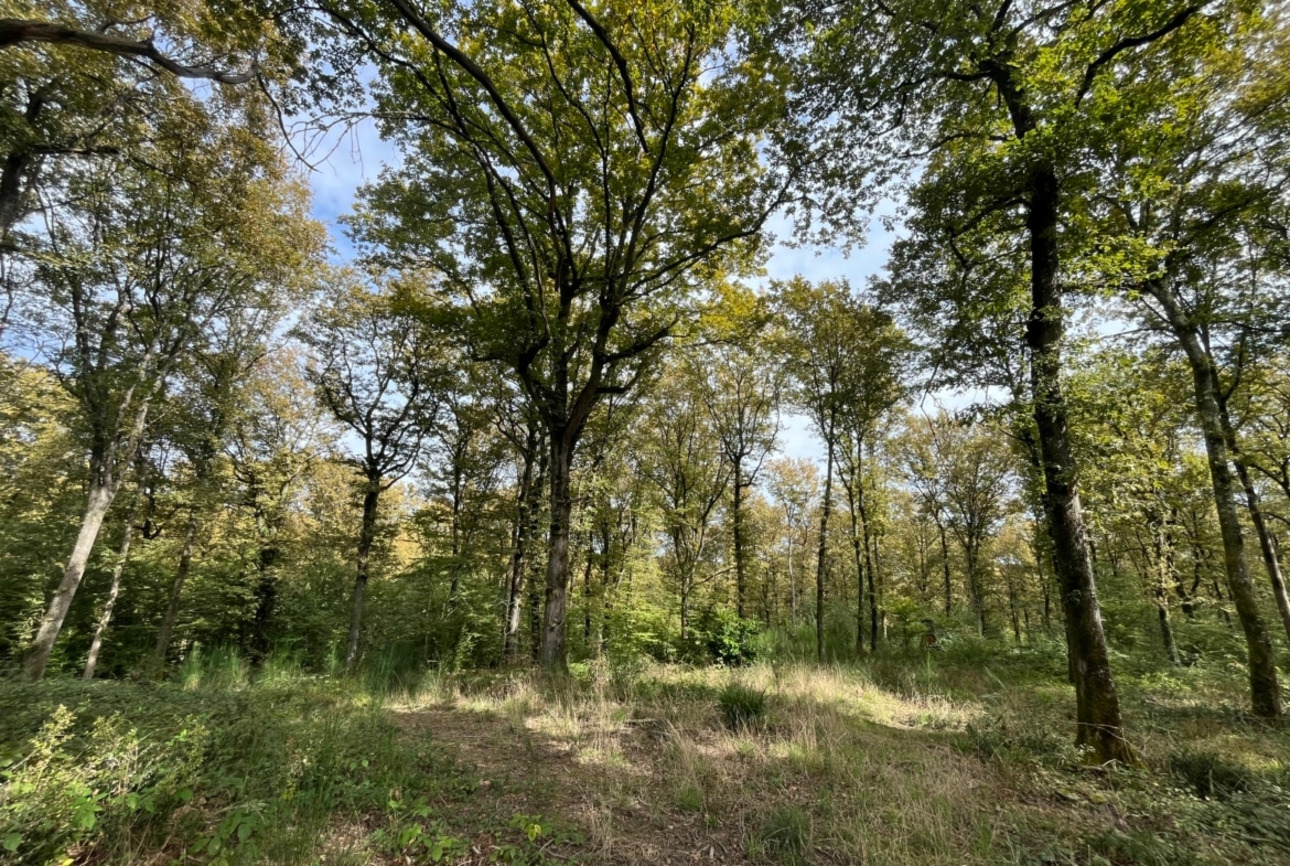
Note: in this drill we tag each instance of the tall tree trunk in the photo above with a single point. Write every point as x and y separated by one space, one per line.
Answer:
1267 543
971 552
852 485
1265 695
822 557
114 590
792 579
1159 591
1097 702
945 563
366 539
519 548
101 493
875 586
157 664
738 531
557 571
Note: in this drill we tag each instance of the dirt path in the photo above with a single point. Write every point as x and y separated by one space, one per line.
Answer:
622 809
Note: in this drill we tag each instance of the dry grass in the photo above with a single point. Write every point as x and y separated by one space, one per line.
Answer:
841 771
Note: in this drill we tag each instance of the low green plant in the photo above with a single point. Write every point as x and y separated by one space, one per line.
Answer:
786 834
742 707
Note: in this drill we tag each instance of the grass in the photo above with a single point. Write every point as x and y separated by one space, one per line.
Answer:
920 760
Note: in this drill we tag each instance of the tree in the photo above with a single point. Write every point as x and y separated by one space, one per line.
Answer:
1190 208
576 178
843 366
741 391
379 372
1003 101
687 462
147 256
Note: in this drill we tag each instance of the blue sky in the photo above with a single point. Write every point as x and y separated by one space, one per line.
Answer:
358 156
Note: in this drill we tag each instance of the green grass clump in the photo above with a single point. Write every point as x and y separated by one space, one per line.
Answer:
786 834
742 707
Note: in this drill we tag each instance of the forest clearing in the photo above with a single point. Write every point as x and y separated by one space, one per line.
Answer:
644 432
949 759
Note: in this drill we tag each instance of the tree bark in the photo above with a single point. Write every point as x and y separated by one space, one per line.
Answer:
553 654
519 551
1267 543
100 628
1265 696
1098 720
366 539
737 521
821 560
101 493
945 562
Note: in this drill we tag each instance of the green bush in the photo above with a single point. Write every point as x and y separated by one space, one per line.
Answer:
721 637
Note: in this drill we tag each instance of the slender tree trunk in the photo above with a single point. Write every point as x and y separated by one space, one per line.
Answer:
945 564
586 593
1097 701
114 590
1160 593
792 579
1267 543
1265 695
822 558
366 539
738 531
157 664
519 550
875 588
971 553
98 501
553 628
852 485
536 566
1012 611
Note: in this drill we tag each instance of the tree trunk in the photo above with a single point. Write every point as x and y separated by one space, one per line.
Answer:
821 560
1160 593
971 553
945 562
1267 544
366 539
157 664
519 550
1265 696
99 500
557 571
114 590
792 579
852 485
737 521
1097 703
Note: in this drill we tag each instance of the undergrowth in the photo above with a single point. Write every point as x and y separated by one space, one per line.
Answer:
962 756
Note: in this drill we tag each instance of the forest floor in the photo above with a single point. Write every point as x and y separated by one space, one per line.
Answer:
918 760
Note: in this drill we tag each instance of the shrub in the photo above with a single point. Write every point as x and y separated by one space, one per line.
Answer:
722 637
742 707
